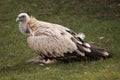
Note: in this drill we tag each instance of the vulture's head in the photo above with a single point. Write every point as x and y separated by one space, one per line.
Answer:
22 17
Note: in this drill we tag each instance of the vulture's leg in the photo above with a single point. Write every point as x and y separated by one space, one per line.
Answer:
35 59
39 59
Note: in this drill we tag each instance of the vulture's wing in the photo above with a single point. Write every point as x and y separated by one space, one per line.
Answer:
53 40
91 50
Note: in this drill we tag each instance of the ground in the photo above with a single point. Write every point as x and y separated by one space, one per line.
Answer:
95 18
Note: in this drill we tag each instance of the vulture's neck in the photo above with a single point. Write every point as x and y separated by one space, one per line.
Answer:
33 24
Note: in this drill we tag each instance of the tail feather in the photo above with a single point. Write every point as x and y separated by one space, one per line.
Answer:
96 52
90 50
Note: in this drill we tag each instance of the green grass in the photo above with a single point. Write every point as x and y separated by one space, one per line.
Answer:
95 18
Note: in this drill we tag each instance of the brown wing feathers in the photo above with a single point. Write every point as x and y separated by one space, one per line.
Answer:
89 50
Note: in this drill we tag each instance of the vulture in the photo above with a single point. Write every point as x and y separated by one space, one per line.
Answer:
54 42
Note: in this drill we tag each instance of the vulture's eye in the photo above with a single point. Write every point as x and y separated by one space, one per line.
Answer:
23 16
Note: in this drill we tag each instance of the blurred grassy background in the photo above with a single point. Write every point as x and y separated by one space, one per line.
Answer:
95 18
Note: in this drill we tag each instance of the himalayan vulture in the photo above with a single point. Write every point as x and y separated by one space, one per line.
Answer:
54 42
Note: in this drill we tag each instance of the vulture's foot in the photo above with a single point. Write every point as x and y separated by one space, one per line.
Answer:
48 61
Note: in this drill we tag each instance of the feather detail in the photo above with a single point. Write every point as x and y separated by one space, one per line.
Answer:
80 53
81 35
86 44
33 24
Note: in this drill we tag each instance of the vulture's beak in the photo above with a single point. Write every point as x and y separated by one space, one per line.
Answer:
17 19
